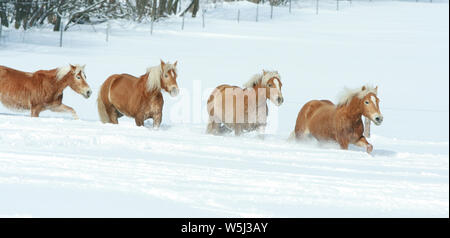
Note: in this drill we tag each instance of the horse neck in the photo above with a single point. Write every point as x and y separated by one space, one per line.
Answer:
352 110
261 99
142 84
50 75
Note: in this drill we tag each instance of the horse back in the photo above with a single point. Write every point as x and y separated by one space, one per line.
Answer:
10 74
314 112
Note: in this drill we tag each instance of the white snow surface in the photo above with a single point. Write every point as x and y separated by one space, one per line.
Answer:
54 166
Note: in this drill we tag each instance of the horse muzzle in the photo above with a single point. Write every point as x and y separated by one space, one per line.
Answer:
377 119
278 101
87 93
174 92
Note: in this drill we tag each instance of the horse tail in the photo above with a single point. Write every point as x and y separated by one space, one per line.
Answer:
104 117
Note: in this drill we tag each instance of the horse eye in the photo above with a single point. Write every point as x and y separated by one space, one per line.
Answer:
366 102
270 85
166 76
78 77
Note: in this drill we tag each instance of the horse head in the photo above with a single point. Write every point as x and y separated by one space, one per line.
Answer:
169 78
78 81
271 81
370 105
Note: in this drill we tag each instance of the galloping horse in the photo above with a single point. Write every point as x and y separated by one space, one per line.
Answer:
139 98
41 90
245 108
342 122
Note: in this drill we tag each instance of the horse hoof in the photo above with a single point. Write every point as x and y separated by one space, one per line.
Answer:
369 149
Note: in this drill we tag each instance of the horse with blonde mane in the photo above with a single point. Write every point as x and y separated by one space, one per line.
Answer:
342 122
139 98
244 109
41 90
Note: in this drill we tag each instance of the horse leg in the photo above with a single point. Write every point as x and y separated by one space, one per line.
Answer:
139 119
35 110
343 142
362 142
64 108
112 113
157 118
213 127
262 131
237 129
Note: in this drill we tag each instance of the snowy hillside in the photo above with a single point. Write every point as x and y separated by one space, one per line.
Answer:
56 166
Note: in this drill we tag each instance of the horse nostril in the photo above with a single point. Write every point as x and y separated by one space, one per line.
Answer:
88 93
280 100
378 119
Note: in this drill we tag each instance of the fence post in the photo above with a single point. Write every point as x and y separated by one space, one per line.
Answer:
203 18
271 10
182 23
239 14
151 25
317 7
61 30
108 26
290 5
257 11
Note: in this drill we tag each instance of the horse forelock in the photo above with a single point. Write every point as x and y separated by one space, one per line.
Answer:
63 71
261 79
269 75
347 95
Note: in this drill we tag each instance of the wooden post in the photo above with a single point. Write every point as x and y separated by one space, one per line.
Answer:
108 26
271 10
257 11
239 14
203 18
366 127
290 5
317 7
151 25
182 23
61 30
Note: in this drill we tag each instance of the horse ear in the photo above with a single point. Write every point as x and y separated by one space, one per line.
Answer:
162 64
175 64
376 90
264 72
72 67
363 88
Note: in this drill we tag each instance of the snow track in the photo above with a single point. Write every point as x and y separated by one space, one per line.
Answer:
225 176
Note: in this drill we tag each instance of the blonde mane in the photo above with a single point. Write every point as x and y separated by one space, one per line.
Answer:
154 75
64 70
347 95
261 78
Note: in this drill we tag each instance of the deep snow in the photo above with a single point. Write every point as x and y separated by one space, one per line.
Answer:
56 166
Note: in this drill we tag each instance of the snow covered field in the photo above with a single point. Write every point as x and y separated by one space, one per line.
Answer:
54 166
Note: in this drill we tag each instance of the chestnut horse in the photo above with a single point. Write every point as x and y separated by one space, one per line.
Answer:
41 90
243 109
139 98
342 122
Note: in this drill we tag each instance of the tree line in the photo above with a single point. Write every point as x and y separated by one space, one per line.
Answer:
30 13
